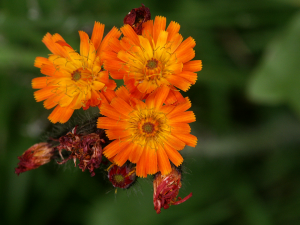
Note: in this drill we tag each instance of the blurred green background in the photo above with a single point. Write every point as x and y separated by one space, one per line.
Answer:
245 169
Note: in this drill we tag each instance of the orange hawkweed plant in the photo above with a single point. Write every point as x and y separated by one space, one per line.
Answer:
148 133
144 124
73 80
157 57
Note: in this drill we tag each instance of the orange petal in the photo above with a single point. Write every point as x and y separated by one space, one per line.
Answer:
171 98
113 33
121 106
117 134
84 45
179 82
167 109
172 29
183 128
174 42
174 68
55 115
109 111
173 155
183 117
65 100
122 156
97 34
57 37
160 96
44 93
136 152
185 56
115 147
160 45
40 82
54 47
174 142
141 166
163 161
39 61
60 114
178 95
53 71
117 75
151 160
148 30
66 115
130 33
181 107
123 93
53 100
188 139
159 25
107 123
114 45
146 47
193 66
109 94
190 76
186 44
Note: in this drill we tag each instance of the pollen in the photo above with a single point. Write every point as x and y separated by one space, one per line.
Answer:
152 64
119 178
148 128
76 76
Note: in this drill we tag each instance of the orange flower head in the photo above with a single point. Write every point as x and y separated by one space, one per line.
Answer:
148 133
157 57
73 80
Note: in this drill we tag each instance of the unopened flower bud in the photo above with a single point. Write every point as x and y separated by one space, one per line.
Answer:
36 156
136 17
166 189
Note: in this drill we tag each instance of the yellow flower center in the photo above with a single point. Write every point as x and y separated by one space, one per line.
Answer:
153 70
119 178
148 127
76 75
152 64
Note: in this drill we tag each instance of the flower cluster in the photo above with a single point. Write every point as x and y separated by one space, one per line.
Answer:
143 124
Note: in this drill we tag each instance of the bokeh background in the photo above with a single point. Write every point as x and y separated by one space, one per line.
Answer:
245 168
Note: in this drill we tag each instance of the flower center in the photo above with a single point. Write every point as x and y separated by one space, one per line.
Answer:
119 178
152 64
148 128
76 75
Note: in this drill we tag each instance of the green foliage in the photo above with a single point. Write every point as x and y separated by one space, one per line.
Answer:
277 79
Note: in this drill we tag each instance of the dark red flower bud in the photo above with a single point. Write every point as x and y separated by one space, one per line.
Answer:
121 177
136 17
36 156
86 148
166 189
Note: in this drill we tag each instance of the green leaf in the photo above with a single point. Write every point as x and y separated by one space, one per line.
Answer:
277 79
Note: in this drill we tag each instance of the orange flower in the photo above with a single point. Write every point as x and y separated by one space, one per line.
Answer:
148 133
158 56
73 80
